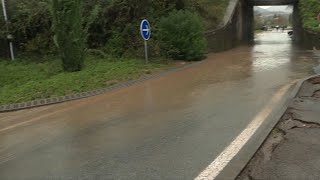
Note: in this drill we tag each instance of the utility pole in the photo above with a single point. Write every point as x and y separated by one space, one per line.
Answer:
9 37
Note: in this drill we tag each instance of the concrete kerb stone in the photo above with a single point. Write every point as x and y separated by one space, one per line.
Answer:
278 116
300 83
72 97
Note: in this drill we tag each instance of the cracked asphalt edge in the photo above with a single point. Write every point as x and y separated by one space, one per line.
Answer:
277 135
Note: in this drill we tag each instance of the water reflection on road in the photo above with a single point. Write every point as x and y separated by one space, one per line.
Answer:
165 128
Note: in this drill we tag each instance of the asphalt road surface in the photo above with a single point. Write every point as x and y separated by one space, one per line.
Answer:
171 127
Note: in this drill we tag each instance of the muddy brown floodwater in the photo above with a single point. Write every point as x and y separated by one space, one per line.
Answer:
166 128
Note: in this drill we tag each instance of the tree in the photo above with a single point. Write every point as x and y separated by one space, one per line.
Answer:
258 22
71 31
69 35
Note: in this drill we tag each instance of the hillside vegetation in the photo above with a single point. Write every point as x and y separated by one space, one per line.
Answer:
115 30
71 46
309 11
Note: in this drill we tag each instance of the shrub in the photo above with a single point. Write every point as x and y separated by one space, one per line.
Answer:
309 11
71 31
116 45
181 36
30 24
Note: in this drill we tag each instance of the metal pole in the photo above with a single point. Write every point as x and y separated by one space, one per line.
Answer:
146 51
7 21
11 50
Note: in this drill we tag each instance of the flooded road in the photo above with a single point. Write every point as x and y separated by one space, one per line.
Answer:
166 128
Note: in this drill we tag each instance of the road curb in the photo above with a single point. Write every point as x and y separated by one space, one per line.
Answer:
238 164
299 85
280 113
77 96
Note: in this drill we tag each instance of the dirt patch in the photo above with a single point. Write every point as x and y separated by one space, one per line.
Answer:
255 168
316 94
315 81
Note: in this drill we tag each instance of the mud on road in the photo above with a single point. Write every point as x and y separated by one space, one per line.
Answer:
292 149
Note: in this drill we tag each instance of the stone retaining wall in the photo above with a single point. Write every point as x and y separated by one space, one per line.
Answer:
311 39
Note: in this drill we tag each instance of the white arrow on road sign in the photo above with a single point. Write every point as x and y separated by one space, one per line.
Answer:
146 30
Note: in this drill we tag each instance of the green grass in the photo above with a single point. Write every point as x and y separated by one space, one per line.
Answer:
23 80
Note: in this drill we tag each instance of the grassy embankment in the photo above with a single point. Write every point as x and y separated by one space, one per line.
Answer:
24 80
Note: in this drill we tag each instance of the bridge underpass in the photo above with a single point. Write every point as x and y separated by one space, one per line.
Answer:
297 25
238 24
247 16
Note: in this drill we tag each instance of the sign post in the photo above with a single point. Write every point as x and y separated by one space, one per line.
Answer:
145 29
146 51
9 37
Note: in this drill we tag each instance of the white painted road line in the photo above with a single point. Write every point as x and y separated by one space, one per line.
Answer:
214 169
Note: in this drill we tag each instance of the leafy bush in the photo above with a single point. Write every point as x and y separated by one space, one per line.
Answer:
181 36
31 26
116 45
309 11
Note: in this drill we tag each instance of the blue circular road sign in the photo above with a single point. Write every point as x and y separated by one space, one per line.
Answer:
145 29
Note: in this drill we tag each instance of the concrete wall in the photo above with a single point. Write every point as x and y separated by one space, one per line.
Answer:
310 39
297 24
236 27
304 37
